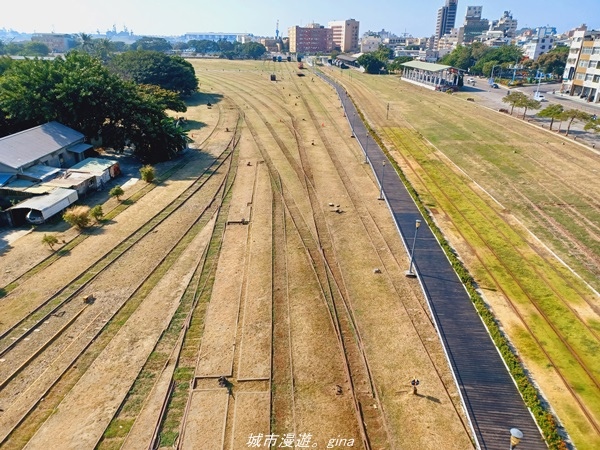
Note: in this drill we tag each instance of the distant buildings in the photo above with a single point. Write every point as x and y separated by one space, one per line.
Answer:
582 71
506 24
216 37
473 27
345 34
57 43
313 38
446 17
541 41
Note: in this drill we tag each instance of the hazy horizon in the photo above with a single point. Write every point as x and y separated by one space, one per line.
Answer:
154 17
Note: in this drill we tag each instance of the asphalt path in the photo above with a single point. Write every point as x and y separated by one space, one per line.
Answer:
488 392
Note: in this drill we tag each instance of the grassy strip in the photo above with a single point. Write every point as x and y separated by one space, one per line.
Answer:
545 419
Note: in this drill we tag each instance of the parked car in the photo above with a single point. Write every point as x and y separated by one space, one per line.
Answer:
495 86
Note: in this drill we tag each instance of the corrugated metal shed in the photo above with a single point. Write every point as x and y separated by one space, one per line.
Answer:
41 172
42 202
94 165
25 147
430 67
5 178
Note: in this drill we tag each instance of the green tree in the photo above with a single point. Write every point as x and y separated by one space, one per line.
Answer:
592 125
396 64
551 62
253 50
147 173
163 98
203 46
116 192
50 240
82 94
35 49
151 43
552 112
85 42
575 114
529 103
97 213
517 99
151 67
370 62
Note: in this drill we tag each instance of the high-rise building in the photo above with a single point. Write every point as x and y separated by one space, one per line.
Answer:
446 17
473 26
506 24
582 71
345 34
313 38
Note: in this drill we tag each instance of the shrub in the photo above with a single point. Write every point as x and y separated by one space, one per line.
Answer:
78 216
97 213
148 173
117 192
50 240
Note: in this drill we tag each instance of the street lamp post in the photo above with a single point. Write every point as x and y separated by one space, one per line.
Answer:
515 437
367 147
409 272
382 175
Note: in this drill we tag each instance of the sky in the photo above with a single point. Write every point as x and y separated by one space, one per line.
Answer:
259 17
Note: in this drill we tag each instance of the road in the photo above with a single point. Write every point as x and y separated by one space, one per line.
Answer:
492 98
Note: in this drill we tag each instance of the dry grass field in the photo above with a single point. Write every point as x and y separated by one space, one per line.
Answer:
232 264
520 206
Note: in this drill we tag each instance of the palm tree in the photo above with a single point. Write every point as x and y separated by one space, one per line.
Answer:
86 42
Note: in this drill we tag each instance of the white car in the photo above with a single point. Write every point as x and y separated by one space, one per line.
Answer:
539 98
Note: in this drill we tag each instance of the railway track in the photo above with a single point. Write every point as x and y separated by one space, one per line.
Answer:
333 284
101 266
117 209
449 182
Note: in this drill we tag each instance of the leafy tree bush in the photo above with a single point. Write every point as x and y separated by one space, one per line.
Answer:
78 216
151 43
172 73
50 240
148 173
97 213
117 192
81 93
552 112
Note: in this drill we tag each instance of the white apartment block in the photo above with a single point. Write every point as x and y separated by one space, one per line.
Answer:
370 44
538 46
582 71
345 34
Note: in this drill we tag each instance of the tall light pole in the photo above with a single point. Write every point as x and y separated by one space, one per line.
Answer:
382 175
537 91
366 146
491 80
409 272
352 122
515 437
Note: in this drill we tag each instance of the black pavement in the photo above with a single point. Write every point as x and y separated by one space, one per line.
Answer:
489 394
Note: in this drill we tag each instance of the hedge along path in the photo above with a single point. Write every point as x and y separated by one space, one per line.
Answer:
255 342
78 421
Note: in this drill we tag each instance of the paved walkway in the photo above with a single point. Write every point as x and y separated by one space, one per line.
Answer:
490 397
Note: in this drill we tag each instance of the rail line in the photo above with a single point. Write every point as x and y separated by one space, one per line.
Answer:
176 204
143 190
532 301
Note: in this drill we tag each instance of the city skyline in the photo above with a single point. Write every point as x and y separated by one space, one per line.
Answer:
157 17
